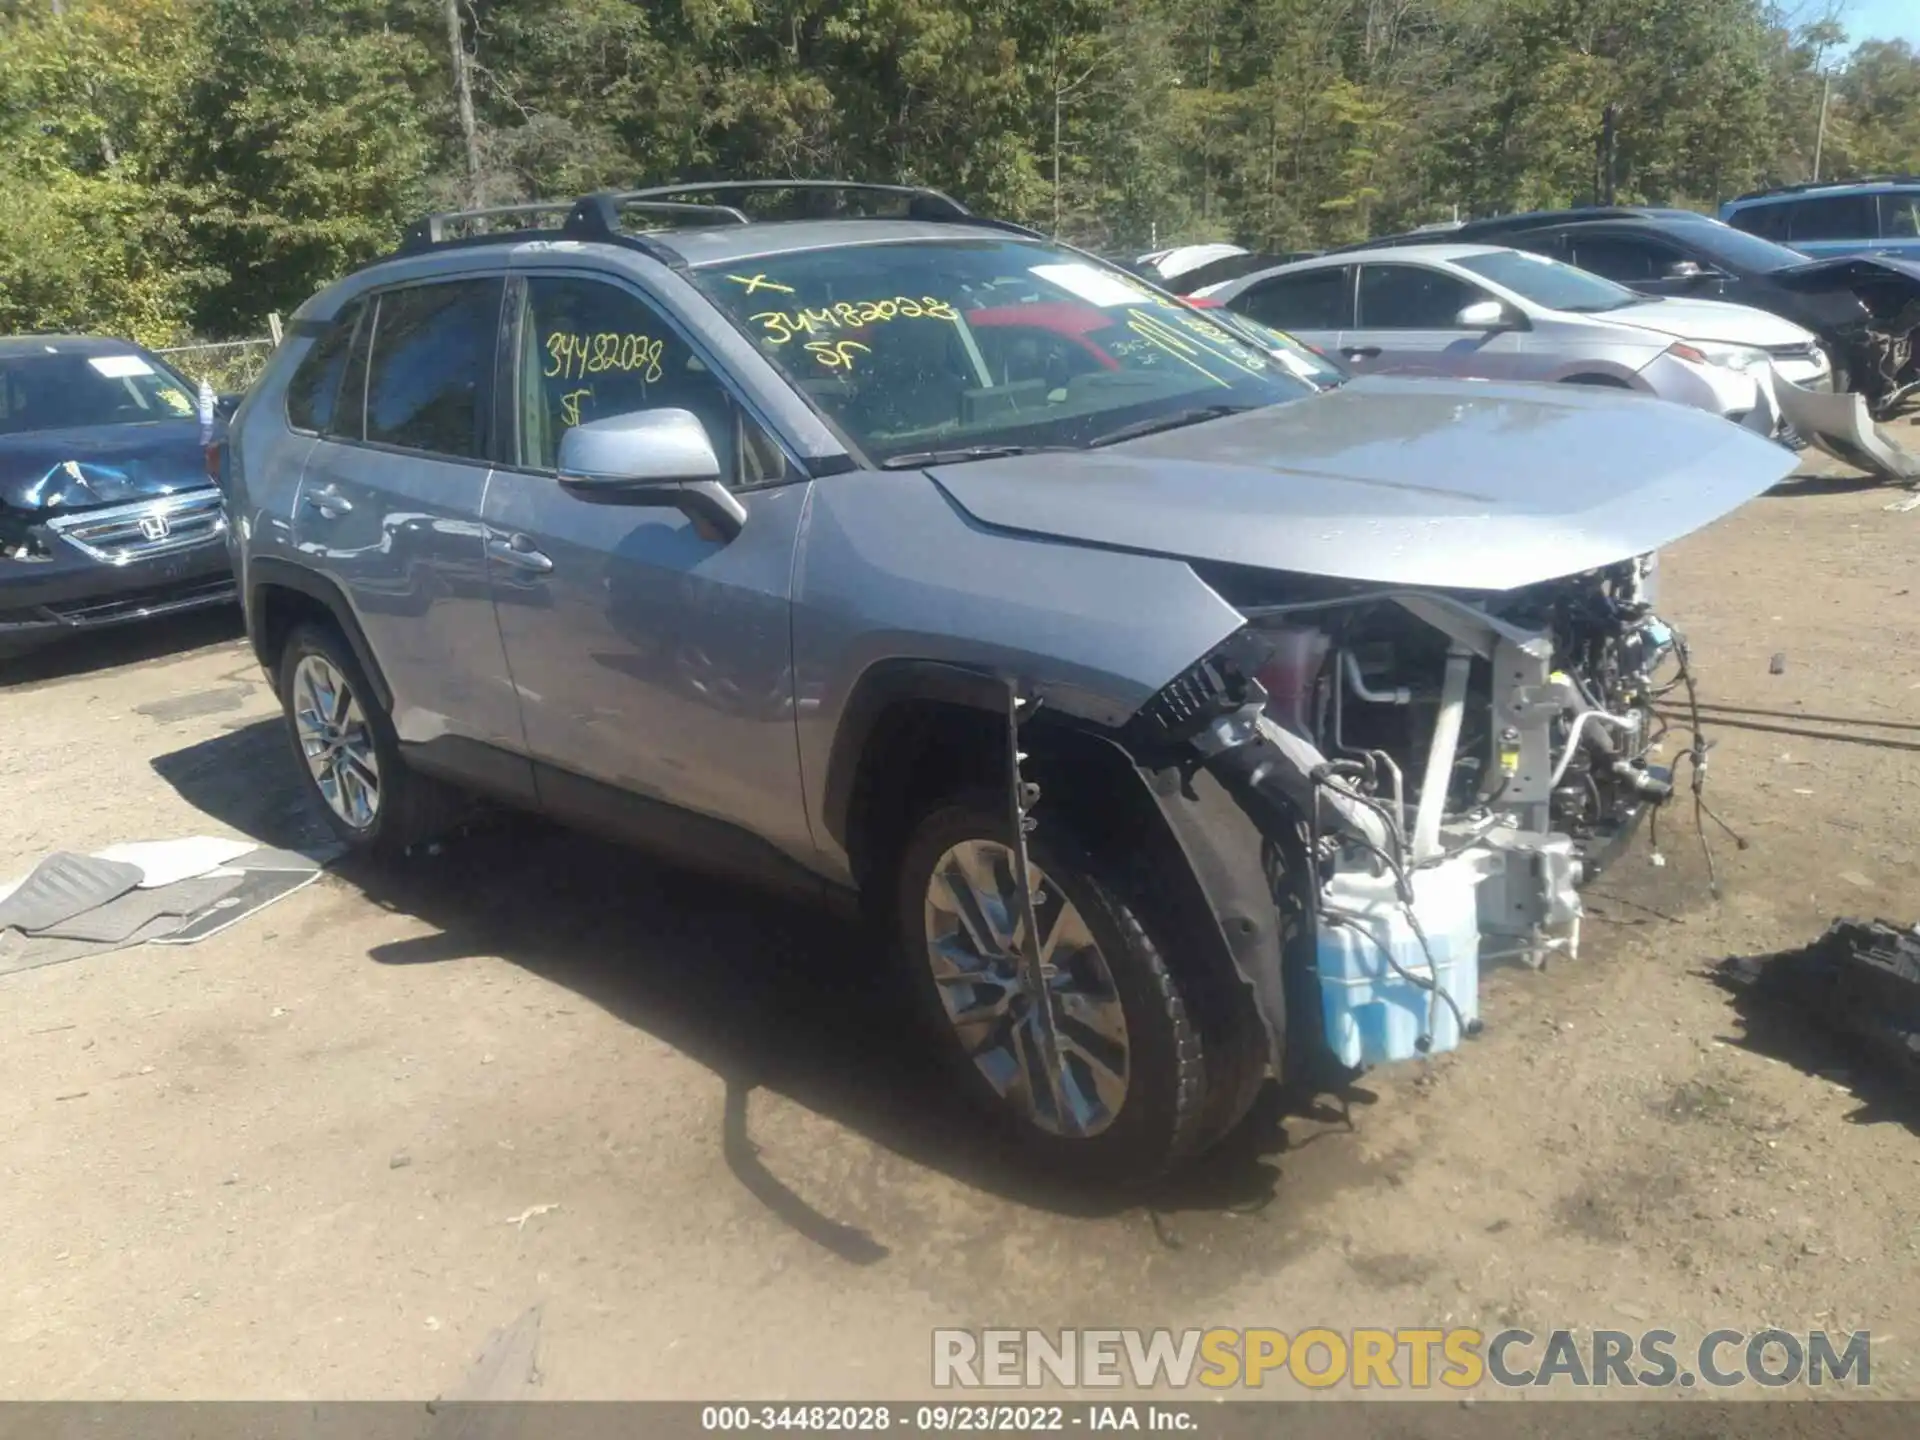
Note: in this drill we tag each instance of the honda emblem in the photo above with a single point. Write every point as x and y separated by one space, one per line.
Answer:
154 527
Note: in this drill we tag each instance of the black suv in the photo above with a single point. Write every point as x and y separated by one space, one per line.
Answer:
1865 309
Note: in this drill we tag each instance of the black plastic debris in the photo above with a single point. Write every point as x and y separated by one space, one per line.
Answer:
1861 980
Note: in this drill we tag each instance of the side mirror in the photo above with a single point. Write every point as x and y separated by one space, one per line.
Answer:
227 404
651 457
1486 315
1690 270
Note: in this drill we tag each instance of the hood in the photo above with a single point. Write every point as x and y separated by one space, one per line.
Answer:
100 465
1455 485
1712 320
1844 271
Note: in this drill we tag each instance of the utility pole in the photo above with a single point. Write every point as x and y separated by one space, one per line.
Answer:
463 100
1820 134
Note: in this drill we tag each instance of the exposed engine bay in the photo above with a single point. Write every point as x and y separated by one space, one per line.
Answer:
1437 774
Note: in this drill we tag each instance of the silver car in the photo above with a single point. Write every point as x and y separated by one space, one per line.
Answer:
1179 722
1488 312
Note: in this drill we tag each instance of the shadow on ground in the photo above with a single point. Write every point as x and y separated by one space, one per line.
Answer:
84 654
762 992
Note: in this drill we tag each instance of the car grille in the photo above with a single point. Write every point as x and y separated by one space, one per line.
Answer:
144 602
1793 352
150 528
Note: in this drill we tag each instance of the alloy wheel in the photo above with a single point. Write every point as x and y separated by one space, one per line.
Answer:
336 741
1043 1022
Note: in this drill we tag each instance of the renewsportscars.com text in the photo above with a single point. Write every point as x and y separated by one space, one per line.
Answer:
1413 1359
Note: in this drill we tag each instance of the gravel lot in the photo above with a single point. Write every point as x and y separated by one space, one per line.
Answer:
328 1152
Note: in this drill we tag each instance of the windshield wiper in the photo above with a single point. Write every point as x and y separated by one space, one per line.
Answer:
1175 421
919 458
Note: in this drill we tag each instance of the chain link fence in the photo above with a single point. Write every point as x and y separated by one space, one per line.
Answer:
230 366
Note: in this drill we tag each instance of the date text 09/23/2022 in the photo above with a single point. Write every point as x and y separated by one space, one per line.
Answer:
945 1419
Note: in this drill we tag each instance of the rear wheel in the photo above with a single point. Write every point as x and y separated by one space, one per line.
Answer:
348 754
1093 1059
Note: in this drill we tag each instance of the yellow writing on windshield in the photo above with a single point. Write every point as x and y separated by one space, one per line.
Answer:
176 400
570 405
782 325
571 356
836 354
1194 342
760 282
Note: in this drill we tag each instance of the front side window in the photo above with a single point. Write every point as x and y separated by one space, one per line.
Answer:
1630 259
1309 300
1900 215
965 343
1833 217
58 389
430 370
1550 284
1410 297
589 351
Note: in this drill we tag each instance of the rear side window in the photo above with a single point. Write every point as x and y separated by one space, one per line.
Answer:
315 388
1834 217
1769 222
1310 300
429 376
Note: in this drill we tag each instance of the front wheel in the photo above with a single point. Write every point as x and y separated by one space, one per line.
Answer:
1089 1054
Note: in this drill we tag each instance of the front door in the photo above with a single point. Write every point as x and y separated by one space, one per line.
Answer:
390 506
652 660
1406 324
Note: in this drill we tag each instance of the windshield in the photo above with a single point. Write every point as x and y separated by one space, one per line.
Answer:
57 390
1549 283
1296 355
934 346
1736 249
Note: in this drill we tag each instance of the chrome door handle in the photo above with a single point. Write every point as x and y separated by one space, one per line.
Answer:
330 503
518 552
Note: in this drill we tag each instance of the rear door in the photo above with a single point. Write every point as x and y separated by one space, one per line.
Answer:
390 505
1822 225
1407 324
1314 306
652 658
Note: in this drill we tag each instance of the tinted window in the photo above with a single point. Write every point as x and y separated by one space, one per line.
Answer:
432 361
1900 215
55 389
1832 217
1769 222
1310 300
590 350
316 383
1407 297
1630 259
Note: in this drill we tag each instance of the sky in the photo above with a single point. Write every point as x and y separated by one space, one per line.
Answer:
1882 20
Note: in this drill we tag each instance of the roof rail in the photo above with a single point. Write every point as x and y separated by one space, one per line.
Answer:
1804 185
922 203
595 216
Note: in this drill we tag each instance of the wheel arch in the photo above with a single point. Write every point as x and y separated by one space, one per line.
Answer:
281 595
916 732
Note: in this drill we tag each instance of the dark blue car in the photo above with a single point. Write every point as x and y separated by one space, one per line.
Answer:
107 514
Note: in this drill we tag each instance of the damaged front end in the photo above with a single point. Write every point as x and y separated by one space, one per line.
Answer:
1433 775
1876 333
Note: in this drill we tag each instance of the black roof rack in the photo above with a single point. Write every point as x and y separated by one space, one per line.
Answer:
597 216
1829 185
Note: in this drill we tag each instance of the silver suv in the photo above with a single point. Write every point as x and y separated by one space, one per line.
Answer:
1181 723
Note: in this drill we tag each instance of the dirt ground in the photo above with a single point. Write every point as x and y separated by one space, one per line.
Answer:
328 1152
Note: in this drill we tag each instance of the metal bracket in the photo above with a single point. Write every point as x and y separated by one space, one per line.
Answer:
1022 796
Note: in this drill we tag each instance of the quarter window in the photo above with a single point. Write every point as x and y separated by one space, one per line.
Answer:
589 351
429 375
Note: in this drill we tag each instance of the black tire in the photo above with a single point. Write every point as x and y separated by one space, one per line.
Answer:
412 807
1181 1093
